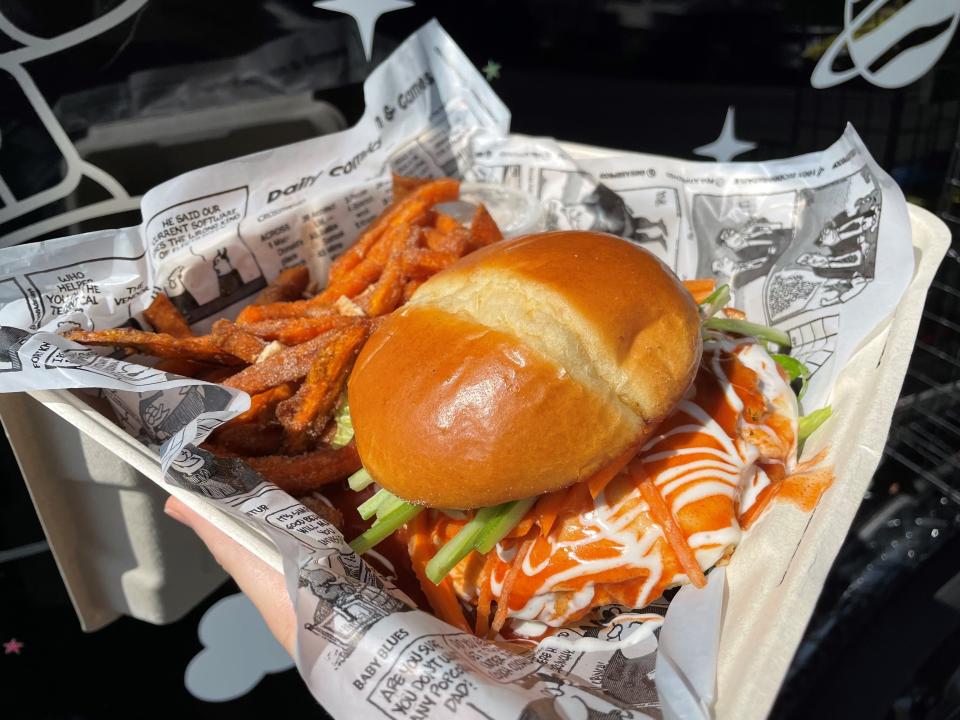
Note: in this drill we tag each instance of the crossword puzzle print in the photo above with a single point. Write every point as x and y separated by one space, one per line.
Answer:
443 149
833 256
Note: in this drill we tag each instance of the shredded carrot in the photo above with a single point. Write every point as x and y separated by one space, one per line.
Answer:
661 514
700 288
442 597
522 528
503 602
486 595
578 498
600 479
547 509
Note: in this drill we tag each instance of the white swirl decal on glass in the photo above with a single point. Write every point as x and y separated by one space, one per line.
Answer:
871 39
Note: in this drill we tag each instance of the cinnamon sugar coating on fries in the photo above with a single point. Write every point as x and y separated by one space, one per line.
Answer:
236 341
161 345
305 415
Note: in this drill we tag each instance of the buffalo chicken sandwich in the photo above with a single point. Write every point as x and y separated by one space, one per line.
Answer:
555 424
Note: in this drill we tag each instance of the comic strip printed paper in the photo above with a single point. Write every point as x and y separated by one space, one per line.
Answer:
817 245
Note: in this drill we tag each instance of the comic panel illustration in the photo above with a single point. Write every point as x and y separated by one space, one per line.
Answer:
813 339
653 220
11 340
560 699
740 238
568 196
350 599
834 255
648 216
208 280
572 202
201 262
153 417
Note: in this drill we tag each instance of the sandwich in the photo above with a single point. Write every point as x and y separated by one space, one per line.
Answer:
555 424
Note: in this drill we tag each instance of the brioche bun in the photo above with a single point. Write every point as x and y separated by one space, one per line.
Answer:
523 368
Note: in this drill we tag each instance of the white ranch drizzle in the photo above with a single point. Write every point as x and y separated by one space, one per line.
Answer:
729 469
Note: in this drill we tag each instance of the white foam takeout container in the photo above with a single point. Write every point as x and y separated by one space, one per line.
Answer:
99 496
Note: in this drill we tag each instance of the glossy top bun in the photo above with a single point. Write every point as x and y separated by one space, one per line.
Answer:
523 368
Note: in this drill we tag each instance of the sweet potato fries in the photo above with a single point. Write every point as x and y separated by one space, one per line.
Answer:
292 353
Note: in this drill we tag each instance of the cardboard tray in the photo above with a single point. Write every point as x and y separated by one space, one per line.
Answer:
118 554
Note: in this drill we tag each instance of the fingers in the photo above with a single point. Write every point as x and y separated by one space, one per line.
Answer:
258 581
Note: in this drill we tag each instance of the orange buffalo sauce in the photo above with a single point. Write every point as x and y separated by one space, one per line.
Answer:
728 449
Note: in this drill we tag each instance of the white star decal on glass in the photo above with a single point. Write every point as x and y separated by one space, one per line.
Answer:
727 146
365 13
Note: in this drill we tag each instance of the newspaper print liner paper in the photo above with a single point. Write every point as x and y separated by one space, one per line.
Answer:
818 245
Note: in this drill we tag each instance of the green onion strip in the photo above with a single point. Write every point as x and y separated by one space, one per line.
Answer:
745 327
809 423
715 301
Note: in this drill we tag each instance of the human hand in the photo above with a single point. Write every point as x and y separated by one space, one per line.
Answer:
258 581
